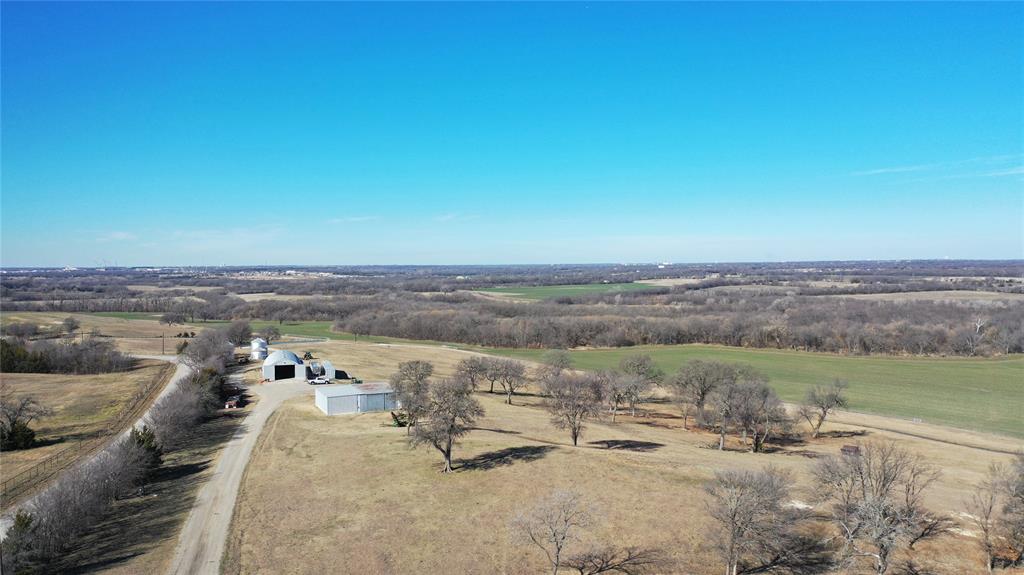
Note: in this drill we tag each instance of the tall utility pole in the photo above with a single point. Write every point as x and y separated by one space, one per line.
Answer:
161 344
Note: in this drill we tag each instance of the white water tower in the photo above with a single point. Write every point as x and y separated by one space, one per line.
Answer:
259 348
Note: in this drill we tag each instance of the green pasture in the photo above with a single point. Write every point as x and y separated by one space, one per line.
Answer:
981 394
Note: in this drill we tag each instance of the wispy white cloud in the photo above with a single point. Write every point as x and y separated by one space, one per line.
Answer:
1015 171
968 168
353 219
895 170
116 236
454 217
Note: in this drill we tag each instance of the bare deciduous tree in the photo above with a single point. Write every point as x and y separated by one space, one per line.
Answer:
722 408
552 364
758 412
172 317
239 332
820 402
743 400
573 400
616 390
876 501
451 414
209 349
983 508
695 381
493 371
174 416
512 377
270 333
643 374
757 531
552 524
1012 512
472 369
411 387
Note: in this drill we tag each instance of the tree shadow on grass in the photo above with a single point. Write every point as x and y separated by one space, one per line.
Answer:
659 423
50 441
505 431
843 434
134 526
786 441
503 457
627 444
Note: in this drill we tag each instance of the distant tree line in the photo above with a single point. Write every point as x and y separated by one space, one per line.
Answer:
768 306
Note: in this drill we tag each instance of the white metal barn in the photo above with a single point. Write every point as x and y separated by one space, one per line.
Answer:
259 348
338 399
282 364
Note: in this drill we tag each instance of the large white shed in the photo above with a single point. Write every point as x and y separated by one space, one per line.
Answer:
348 398
282 364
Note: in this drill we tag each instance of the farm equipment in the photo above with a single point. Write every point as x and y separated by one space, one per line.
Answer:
399 420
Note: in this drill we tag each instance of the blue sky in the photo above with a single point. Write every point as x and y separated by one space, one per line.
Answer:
238 133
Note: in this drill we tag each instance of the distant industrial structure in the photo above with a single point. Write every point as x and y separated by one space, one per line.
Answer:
348 398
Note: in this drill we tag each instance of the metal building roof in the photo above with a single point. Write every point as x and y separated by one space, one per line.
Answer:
354 389
282 355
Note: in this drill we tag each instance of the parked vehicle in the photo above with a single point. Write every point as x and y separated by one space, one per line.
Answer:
319 380
233 402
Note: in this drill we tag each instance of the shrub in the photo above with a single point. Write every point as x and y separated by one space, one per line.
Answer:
145 438
19 436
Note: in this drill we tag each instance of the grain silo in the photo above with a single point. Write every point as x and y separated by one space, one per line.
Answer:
259 348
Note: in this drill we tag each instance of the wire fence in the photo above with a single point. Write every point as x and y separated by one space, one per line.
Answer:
20 484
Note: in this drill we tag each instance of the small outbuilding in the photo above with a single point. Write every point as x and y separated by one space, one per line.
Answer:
282 364
320 368
348 398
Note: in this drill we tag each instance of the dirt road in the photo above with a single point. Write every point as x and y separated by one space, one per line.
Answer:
203 537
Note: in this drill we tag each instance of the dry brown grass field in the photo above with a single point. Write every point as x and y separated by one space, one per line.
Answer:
137 336
84 406
273 296
941 295
323 492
